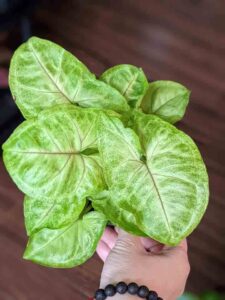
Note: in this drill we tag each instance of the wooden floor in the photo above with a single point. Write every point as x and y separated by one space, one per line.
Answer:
176 40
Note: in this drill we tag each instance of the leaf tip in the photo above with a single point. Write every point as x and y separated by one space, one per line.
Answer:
34 39
27 255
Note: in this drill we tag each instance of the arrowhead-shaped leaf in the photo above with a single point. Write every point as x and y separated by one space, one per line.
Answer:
166 99
68 246
56 154
164 184
43 74
129 80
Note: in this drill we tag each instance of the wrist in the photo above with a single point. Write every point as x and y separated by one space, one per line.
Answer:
123 297
126 291
152 286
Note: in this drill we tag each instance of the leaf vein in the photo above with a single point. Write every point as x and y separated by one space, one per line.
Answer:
46 72
160 198
129 84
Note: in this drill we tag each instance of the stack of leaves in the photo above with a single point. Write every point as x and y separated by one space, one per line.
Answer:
97 150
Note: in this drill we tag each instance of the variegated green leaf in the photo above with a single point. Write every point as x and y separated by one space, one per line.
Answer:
102 202
129 80
56 154
43 74
166 99
164 185
68 246
51 213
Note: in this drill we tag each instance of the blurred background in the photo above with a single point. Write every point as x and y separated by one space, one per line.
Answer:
176 40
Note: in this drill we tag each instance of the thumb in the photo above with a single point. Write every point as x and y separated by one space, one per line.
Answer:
180 247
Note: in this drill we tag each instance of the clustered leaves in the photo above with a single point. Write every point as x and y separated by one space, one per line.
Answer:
96 150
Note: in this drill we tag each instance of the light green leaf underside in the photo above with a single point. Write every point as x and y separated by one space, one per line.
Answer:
68 246
43 74
56 154
166 99
168 193
50 213
129 80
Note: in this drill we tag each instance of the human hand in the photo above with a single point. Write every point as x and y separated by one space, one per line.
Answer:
162 269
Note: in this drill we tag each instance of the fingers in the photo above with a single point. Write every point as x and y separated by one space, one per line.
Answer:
109 237
179 255
129 241
103 250
156 247
151 245
116 229
181 248
184 245
106 243
148 243
141 244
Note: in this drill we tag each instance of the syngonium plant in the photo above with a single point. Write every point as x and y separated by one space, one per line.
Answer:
97 150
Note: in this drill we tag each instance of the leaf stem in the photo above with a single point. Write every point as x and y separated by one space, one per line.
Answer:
86 209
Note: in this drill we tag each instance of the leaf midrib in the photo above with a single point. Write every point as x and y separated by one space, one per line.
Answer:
56 153
46 72
46 152
159 196
57 236
168 101
42 219
130 84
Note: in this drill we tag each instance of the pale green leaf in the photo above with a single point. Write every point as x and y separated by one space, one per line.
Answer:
68 246
51 213
129 80
164 186
116 214
97 94
166 99
43 74
56 154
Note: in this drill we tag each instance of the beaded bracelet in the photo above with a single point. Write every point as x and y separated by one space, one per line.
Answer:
122 288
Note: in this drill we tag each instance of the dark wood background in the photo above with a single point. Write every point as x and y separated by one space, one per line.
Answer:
177 40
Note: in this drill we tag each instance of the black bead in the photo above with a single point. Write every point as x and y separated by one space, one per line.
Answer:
132 288
121 287
110 290
152 296
100 295
143 291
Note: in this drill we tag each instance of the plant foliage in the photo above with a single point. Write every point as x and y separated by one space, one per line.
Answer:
97 150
